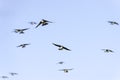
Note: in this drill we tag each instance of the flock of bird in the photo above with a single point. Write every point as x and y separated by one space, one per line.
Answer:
44 22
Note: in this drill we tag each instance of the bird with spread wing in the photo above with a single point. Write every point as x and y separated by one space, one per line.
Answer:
61 47
108 50
20 31
23 45
43 22
66 70
13 73
113 22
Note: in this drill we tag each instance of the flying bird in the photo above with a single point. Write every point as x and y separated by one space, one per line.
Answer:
113 22
43 22
108 50
4 77
61 47
66 70
12 73
20 31
32 23
61 62
23 45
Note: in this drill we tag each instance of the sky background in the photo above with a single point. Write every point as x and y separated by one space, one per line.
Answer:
80 25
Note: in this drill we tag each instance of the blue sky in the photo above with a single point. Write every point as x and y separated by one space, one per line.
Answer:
80 25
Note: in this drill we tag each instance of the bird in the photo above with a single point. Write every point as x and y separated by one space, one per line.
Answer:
32 23
113 22
20 31
66 70
23 45
61 47
4 77
61 62
43 22
108 50
12 73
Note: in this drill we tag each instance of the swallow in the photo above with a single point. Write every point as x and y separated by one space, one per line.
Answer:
66 70
108 50
61 47
61 62
23 45
113 22
20 31
43 22
12 73
32 23
4 77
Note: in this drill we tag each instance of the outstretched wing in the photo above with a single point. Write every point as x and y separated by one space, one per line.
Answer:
19 45
56 45
70 69
39 24
24 29
26 44
111 51
66 49
103 49
116 23
61 69
110 21
46 21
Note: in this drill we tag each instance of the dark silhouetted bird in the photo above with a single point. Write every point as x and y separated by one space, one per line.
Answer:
108 50
32 23
43 22
23 45
66 70
61 62
61 47
20 31
12 73
113 22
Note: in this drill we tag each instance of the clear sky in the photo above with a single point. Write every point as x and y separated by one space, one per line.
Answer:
80 25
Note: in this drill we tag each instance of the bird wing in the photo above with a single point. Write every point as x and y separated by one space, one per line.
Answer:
103 49
61 69
56 45
38 24
110 21
26 44
19 45
46 21
66 48
24 29
116 23
69 69
111 51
